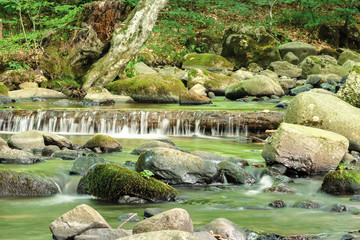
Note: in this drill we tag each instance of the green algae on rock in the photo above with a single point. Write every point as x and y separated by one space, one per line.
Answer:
350 91
149 88
23 184
3 90
104 142
111 182
341 182
210 62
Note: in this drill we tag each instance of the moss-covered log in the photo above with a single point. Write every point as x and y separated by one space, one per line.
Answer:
126 42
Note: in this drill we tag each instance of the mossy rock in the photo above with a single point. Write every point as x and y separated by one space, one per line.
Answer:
213 82
104 142
111 182
22 184
350 91
210 62
256 86
243 45
149 88
348 55
3 90
321 65
341 182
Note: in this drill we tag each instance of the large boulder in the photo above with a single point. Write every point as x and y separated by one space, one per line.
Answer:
174 219
245 44
255 86
283 68
350 91
299 49
305 149
104 142
341 182
111 182
162 235
153 144
348 55
99 95
149 88
15 156
225 228
34 139
22 184
82 164
36 92
77 221
326 112
210 62
321 65
176 167
216 83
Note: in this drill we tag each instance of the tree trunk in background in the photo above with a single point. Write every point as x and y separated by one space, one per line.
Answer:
125 43
1 28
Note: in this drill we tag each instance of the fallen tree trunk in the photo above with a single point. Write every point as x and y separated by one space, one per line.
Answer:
125 43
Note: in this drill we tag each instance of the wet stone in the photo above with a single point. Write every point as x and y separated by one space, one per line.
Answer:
355 198
277 204
309 204
338 208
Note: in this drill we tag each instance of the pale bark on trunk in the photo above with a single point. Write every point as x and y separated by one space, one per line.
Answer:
125 43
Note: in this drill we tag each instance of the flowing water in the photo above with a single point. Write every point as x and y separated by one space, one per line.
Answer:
247 206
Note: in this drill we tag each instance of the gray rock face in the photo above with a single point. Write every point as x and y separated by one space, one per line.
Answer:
225 228
82 164
15 156
219 158
36 92
77 221
305 149
299 49
321 65
309 204
103 234
174 219
22 184
300 89
49 150
244 45
142 68
163 235
199 89
291 58
283 68
175 72
326 112
153 144
176 167
204 235
256 86
235 174
348 55
99 95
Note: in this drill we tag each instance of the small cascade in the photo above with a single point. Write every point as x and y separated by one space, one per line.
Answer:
265 182
130 123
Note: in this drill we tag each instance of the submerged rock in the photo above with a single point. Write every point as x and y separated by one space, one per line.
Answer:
22 184
308 204
326 112
106 143
77 221
277 204
150 88
176 167
111 182
225 228
174 219
341 182
82 164
280 188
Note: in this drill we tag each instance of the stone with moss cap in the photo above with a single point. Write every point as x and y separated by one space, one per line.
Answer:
243 45
341 182
326 112
210 62
3 90
350 91
348 55
321 65
150 88
216 83
23 184
305 150
255 86
111 182
104 142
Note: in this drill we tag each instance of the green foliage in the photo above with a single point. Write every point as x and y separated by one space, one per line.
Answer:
130 70
147 174
16 65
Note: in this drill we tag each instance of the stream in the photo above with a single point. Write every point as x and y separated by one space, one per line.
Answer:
247 206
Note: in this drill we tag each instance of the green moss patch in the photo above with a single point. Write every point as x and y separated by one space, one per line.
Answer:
111 181
207 61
